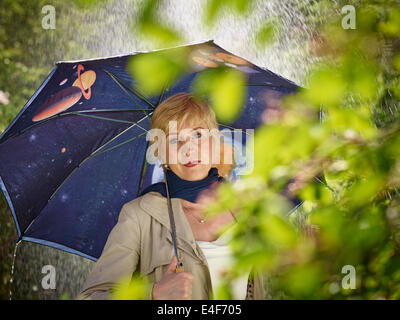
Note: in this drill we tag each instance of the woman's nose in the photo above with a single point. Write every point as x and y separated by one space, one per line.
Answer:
192 147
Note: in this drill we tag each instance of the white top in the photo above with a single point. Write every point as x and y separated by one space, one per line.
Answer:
219 258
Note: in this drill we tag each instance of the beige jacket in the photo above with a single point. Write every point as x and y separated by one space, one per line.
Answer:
141 241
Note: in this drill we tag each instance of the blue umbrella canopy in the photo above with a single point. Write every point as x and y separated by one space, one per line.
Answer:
77 150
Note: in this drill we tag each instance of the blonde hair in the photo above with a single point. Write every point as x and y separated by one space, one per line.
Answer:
183 107
186 109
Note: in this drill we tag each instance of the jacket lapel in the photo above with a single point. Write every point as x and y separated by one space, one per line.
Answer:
156 206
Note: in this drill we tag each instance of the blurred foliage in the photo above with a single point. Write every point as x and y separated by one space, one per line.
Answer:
215 7
225 88
152 27
132 288
265 34
350 217
167 65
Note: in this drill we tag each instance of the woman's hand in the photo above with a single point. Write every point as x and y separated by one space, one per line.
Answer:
174 286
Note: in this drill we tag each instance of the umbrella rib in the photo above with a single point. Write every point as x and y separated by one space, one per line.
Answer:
112 77
144 167
110 119
83 161
142 96
90 156
162 94
119 81
110 110
229 127
269 85
93 154
87 158
66 114
118 145
169 92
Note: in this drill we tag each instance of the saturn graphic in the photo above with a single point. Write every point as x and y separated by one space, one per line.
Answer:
67 97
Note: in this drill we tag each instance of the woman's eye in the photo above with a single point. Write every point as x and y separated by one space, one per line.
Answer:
197 135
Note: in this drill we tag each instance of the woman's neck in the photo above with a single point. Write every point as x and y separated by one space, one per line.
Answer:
191 205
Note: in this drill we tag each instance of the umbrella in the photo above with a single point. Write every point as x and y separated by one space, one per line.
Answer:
77 150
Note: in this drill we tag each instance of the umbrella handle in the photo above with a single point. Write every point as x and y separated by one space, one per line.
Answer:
179 267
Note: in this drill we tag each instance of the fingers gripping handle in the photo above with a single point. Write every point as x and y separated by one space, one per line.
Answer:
179 267
174 265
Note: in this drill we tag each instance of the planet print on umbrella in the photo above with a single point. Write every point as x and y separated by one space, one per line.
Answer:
67 97
205 62
231 58
212 60
85 81
58 102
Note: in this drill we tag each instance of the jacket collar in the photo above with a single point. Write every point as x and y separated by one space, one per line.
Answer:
156 205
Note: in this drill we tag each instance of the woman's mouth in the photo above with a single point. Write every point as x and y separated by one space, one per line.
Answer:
192 164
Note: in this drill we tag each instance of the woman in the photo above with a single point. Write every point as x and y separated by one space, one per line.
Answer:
143 238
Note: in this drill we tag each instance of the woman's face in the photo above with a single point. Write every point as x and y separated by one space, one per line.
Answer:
189 151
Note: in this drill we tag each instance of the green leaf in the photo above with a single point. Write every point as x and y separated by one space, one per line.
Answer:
151 27
214 7
223 292
65 296
396 61
391 27
163 35
241 6
265 34
131 288
278 232
153 71
304 282
88 4
226 89
326 86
